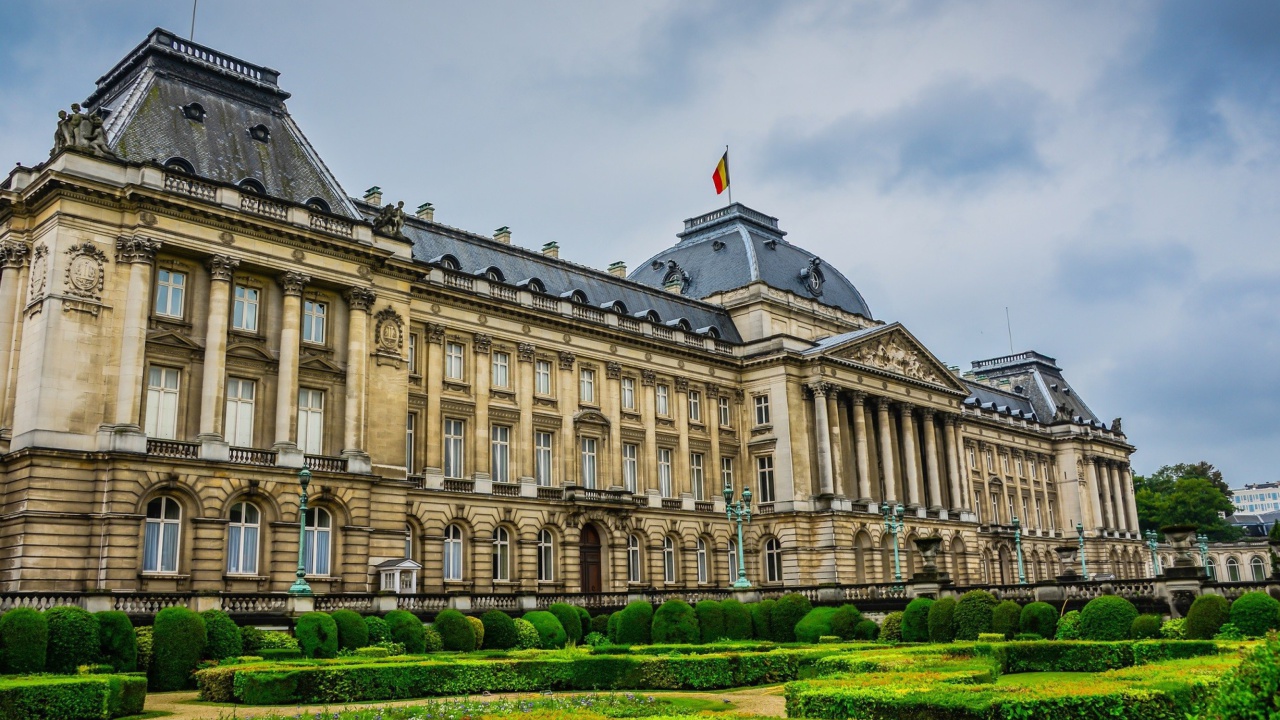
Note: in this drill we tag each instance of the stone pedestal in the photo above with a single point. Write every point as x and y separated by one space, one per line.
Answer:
830 594
461 603
213 447
122 438
527 603
96 602
358 462
384 603
923 588
200 603
746 596
297 605
289 456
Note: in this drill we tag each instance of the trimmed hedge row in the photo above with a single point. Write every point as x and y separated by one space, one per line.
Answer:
1091 657
77 697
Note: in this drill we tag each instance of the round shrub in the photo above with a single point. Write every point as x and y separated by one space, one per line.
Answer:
527 637
431 642
250 640
118 644
177 644
815 625
634 623
73 639
223 636
1040 618
737 620
353 633
600 623
762 619
403 627
942 621
710 620
891 628
456 631
1005 618
787 611
317 635
568 617
585 618
1206 615
1068 626
499 630
478 627
551 634
915 620
1252 689
675 622
593 639
973 614
1145 627
866 630
845 621
1107 618
375 627
614 621
24 640
1255 613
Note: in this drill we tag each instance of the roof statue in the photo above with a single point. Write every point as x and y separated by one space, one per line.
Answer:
80 130
1115 427
390 220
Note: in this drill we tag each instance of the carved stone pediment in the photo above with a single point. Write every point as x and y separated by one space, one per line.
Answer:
173 339
249 350
590 417
894 350
318 363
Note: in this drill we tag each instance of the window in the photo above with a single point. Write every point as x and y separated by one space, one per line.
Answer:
546 557
762 410
702 561
977 508
1053 514
501 370
973 459
764 478
408 541
695 406
453 448
162 403
410 441
1004 463
668 560
733 560
661 396
317 541
1257 569
588 448
313 318
773 560
1012 513
587 386
1032 466
726 472
500 453
1211 568
1233 570
1045 468
664 473
453 553
695 475
1039 512
453 361
542 457
995 508
501 554
628 393
630 469
991 463
242 539
160 544
171 290
239 420
723 404
542 377
633 559
1017 465
311 421
244 311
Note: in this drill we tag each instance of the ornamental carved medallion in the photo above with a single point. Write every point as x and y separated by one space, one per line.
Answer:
389 330
896 356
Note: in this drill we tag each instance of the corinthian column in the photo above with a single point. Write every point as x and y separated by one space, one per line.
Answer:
1095 496
139 253
359 300
911 452
1117 500
221 270
860 446
290 336
886 451
931 461
13 256
823 431
954 464
1131 505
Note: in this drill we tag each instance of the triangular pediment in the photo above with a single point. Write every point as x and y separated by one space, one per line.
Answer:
173 339
316 362
892 349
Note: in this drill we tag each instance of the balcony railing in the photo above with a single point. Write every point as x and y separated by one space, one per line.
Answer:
458 485
502 292
542 302
506 489
550 493
704 506
331 225
672 503
190 186
262 206
252 456
173 448
325 463
462 282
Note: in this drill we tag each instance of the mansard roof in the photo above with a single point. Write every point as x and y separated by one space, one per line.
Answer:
1031 379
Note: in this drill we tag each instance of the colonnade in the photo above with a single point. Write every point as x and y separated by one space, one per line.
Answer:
1110 486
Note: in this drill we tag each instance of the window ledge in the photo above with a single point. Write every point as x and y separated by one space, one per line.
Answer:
246 578
156 575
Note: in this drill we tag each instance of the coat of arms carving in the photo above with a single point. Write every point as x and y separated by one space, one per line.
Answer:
85 271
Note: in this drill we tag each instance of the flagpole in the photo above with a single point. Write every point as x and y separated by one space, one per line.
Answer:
729 173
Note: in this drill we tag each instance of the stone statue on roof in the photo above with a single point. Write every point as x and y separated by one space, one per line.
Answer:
1115 427
390 220
81 130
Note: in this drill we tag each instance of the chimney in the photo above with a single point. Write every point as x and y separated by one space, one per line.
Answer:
373 195
551 249
426 211
503 235
618 269
674 285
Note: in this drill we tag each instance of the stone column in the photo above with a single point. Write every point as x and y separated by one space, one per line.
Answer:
887 451
221 269
435 386
359 300
965 500
13 257
712 481
1118 509
648 460
567 394
837 442
911 454
140 254
954 463
860 446
482 436
522 449
931 460
22 284
1131 505
822 431
1095 496
290 335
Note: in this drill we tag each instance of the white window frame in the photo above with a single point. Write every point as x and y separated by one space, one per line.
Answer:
695 406
455 448
546 556
662 400
763 414
668 560
702 562
452 566
665 481
630 467
315 319
697 475
542 378
500 453
587 447
544 457
311 421
501 555
633 559
410 440
501 370
628 393
319 525
171 293
454 356
244 309
587 386
244 534
733 561
765 490
773 560
162 544
726 413
164 395
413 353
238 420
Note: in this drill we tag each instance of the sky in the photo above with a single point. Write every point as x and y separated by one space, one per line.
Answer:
1106 171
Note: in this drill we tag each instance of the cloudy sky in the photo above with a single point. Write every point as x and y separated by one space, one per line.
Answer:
1107 171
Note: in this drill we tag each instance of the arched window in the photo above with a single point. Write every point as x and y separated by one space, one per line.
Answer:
1211 568
668 560
733 561
316 203
318 541
546 556
493 274
1257 568
178 164
408 541
501 554
702 562
633 559
242 539
453 553
773 560
1233 570
250 185
160 546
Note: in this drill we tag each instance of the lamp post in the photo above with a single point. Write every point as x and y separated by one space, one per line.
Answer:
893 524
1017 544
739 512
1155 559
1084 566
1203 541
300 586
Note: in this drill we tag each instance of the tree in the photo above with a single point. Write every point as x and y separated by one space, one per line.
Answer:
1163 479
1166 499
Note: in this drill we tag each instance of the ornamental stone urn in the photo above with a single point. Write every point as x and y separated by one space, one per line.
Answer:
1180 537
928 549
1067 557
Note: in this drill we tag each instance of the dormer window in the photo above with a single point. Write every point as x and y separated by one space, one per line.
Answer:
177 164
448 262
250 185
194 111
576 296
534 285
493 274
260 132
316 203
616 306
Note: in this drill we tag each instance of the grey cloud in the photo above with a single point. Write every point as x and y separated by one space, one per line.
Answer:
1114 272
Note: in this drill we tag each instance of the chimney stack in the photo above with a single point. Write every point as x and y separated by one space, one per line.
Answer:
618 269
675 285
503 235
426 211
373 195
551 249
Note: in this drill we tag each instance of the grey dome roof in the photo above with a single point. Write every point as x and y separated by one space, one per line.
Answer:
736 246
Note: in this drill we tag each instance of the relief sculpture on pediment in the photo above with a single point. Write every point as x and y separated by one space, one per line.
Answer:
895 356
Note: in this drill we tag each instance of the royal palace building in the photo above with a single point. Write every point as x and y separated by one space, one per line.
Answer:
193 310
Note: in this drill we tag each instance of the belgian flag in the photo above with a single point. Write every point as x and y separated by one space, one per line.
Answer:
721 176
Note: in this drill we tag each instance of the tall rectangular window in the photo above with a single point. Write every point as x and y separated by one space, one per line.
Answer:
454 448
171 291
722 403
162 403
764 478
410 441
239 419
1053 515
244 312
1032 466
696 476
726 472
762 410
314 316
973 459
695 406
1017 465
628 393
311 421
664 473
542 377
501 377
500 453
413 354
588 448
542 455
587 386
453 361
661 400
1004 463
630 467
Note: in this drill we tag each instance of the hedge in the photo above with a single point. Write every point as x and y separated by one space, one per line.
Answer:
375 627
710 620
24 640
762 619
499 630
478 628
118 644
551 634
1255 613
1005 618
431 640
353 633
79 697
788 610
634 623
973 614
317 635
585 618
815 624
73 638
527 637
942 621
1250 690
600 623
891 628
737 620
405 628
866 630
1206 615
1107 618
223 636
844 622
1092 657
915 620
144 637
1145 627
1068 626
455 631
675 622
177 644
568 617
1040 618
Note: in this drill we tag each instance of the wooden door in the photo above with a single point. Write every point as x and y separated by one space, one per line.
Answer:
589 551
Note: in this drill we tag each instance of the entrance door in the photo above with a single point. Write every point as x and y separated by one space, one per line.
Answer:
589 550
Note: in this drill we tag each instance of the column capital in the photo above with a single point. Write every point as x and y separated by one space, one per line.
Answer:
481 343
293 282
435 333
950 419
883 403
359 298
928 413
820 388
682 384
136 249
713 390
524 352
567 359
648 377
906 407
14 254
613 370
859 397
222 267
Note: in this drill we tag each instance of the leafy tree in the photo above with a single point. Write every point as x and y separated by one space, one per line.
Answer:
1164 499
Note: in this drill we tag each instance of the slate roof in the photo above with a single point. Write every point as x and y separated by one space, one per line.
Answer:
1042 385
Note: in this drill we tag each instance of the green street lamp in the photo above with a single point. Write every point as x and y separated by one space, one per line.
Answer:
1017 544
1084 566
1155 559
1203 541
300 586
893 524
739 512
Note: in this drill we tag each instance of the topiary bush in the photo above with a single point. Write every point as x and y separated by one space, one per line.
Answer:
144 637
600 624
250 640
1206 615
1255 613
431 641
403 627
1040 618
973 614
73 639
1252 690
376 628
737 620
1005 618
24 640
499 630
177 644
551 634
787 611
1068 626
478 627
866 630
762 619
223 636
1107 618
891 628
675 622
845 621
915 620
456 631
568 617
317 635
710 620
353 633
118 645
614 621
815 625
585 618
527 637
942 621
634 624
1145 627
